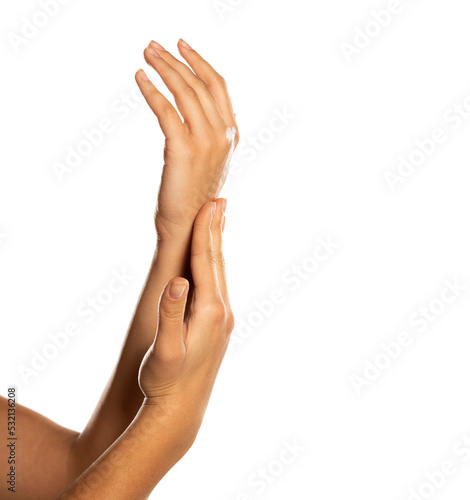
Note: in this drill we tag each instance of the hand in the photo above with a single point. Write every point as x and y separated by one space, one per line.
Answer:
198 149
179 370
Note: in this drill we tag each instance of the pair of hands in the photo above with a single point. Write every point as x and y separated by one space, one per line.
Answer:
151 409
179 369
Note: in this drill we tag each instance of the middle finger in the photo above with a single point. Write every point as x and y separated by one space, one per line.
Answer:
185 96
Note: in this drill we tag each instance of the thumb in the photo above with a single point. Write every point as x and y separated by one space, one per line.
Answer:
169 343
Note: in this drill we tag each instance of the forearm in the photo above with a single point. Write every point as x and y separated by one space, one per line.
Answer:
122 397
37 452
135 463
176 376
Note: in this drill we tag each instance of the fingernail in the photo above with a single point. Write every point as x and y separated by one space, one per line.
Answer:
185 44
153 52
224 205
223 224
156 45
177 289
143 75
213 206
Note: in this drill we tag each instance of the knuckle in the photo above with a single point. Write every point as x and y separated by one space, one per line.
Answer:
217 80
216 311
220 80
230 321
197 82
189 92
168 111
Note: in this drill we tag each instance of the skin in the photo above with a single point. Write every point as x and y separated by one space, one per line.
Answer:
196 160
176 376
42 450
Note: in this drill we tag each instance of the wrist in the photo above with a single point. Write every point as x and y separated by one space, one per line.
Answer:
169 422
171 232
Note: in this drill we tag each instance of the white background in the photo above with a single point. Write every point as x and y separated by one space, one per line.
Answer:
323 175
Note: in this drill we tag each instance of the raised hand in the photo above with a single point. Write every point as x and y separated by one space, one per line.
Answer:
199 146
